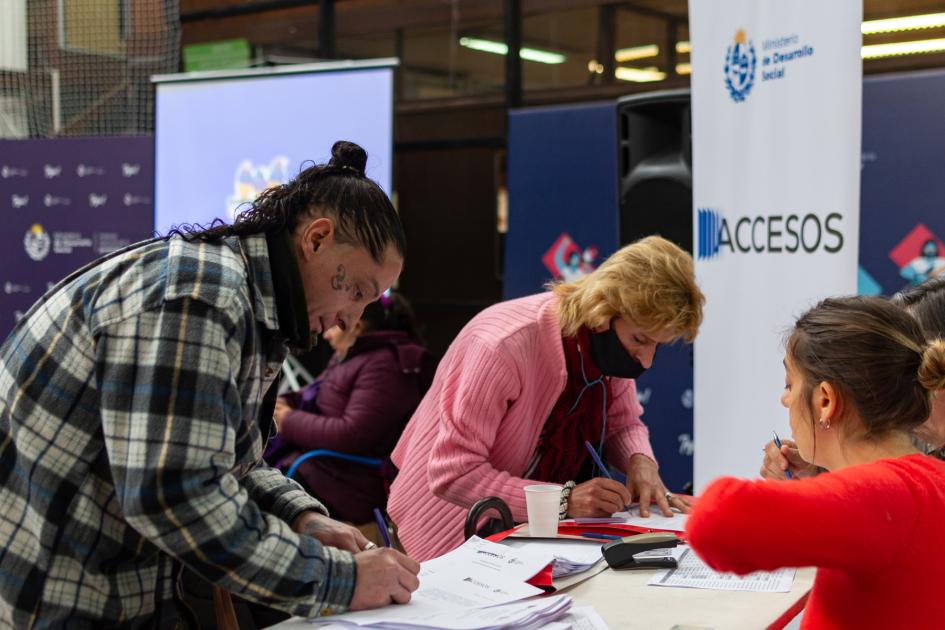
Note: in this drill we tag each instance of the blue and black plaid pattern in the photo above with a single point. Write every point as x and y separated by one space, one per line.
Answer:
129 438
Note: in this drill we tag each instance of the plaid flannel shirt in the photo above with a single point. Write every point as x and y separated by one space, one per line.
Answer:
129 439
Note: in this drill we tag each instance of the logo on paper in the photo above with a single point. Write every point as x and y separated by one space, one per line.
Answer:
37 242
129 170
12 171
20 201
51 171
97 201
740 62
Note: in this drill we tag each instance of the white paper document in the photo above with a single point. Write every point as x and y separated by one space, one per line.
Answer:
485 558
656 520
456 588
544 613
570 556
584 618
694 573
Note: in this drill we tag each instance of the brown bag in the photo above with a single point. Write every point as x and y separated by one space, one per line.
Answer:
224 611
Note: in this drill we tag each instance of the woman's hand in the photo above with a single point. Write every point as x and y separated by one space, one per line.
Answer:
598 497
645 485
279 413
777 461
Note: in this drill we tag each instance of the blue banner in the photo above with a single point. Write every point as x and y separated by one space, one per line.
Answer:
563 206
902 221
65 203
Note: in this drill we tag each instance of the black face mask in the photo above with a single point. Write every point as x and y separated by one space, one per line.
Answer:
611 358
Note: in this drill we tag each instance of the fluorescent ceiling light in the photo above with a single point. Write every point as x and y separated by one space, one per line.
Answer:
637 52
683 68
683 47
906 23
639 75
874 51
500 48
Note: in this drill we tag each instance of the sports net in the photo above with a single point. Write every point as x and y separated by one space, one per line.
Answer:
83 67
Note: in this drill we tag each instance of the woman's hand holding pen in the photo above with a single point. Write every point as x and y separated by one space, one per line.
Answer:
777 461
598 497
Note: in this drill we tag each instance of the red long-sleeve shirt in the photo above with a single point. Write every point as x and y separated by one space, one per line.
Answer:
875 532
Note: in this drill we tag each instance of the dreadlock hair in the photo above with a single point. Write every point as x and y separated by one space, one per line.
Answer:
362 213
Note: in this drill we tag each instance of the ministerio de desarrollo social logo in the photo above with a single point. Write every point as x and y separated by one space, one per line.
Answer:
740 63
37 242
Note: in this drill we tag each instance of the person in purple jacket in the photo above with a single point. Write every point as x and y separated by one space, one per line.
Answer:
358 405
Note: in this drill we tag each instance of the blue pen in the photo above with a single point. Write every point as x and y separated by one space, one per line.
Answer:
600 536
381 526
600 464
777 442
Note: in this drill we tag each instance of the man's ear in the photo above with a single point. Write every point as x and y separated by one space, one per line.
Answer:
315 235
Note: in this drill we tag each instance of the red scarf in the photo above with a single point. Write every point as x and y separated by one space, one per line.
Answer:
561 451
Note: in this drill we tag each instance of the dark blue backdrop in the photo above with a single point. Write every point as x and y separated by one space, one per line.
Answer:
563 179
66 202
903 176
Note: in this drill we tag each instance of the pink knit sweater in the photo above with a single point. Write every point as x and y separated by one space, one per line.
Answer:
477 428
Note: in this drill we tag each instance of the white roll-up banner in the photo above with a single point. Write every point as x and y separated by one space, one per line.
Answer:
776 109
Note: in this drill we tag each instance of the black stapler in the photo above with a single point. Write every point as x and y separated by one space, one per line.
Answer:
619 553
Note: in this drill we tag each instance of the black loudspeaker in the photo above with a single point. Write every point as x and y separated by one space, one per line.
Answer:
654 158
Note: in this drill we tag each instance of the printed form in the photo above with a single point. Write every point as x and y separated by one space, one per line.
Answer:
455 586
694 573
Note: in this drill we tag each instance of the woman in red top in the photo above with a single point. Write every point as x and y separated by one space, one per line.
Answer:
925 302
858 379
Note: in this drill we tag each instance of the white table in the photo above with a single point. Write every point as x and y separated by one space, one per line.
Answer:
624 601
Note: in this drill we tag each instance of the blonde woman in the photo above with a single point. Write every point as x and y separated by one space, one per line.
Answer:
528 381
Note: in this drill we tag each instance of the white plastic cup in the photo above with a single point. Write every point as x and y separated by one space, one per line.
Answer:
542 502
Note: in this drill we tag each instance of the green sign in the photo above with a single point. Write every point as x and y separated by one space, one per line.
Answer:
219 55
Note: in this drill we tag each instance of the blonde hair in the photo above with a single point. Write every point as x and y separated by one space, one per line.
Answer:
651 282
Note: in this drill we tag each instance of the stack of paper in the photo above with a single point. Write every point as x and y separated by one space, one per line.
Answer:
475 587
694 573
656 520
530 615
570 556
